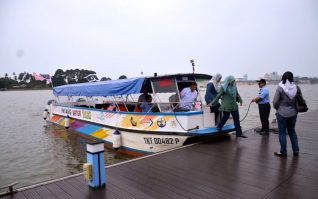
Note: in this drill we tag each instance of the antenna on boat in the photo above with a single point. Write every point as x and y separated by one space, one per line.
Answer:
192 62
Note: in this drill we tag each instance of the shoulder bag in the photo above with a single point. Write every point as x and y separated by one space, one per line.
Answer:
301 102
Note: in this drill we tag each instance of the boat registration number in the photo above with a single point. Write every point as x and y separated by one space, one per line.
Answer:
151 140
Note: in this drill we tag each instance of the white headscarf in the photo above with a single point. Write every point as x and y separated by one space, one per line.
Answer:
289 88
216 80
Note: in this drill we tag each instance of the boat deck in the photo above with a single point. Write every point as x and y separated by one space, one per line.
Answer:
230 168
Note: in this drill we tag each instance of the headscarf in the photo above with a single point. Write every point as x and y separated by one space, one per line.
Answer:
287 84
216 81
232 90
289 88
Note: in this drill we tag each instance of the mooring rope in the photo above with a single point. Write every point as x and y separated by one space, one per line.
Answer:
248 109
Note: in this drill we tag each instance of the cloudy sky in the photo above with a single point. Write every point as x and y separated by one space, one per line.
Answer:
115 37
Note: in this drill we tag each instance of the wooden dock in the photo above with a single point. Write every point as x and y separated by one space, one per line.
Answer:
231 168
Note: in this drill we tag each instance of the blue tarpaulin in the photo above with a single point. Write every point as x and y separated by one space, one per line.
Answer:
103 88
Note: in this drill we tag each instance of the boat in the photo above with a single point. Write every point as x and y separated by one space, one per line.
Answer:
110 111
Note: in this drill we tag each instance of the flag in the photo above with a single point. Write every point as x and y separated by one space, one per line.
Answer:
38 76
47 78
42 77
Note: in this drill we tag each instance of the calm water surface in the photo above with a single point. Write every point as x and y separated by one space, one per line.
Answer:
32 151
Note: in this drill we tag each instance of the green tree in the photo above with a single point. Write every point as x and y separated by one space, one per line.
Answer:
20 77
105 79
58 78
123 77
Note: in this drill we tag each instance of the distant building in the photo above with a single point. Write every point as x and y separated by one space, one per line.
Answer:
304 81
240 79
245 77
272 76
267 76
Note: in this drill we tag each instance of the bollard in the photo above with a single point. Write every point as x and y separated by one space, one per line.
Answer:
67 122
95 165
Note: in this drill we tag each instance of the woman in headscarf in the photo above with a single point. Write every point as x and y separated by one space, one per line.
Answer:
230 97
285 104
213 87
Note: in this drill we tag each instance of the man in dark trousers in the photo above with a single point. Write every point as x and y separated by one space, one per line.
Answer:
264 106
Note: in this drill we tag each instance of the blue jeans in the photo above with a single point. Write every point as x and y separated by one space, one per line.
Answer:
236 118
287 124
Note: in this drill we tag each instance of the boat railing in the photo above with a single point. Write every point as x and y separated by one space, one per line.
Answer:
131 106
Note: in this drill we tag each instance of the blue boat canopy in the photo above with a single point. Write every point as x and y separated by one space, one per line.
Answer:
102 88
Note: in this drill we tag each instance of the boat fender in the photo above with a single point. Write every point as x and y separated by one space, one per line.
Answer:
116 140
45 113
67 122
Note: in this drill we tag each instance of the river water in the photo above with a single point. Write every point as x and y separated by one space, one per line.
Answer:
33 151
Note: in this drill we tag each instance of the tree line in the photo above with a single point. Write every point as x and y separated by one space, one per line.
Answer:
25 80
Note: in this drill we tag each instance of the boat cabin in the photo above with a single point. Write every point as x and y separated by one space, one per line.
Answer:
159 93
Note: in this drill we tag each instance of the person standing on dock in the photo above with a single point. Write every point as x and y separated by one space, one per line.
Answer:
213 87
285 104
230 97
264 106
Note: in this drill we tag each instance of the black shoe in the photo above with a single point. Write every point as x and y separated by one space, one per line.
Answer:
279 154
296 153
259 130
264 133
241 136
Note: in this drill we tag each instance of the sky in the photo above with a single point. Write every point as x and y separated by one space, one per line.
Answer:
127 37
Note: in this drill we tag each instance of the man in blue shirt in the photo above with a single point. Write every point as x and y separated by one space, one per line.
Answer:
147 105
264 106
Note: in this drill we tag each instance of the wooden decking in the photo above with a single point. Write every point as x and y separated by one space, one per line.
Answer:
231 168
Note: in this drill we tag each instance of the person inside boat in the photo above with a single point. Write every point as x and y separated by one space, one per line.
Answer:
141 99
147 105
188 96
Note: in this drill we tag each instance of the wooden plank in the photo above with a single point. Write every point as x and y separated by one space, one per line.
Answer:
152 183
173 182
103 192
44 192
109 187
57 191
31 193
70 190
133 185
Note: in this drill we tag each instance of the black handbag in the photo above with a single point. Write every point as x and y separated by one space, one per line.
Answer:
301 102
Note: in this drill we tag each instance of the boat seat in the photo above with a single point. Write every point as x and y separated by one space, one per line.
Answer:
122 108
137 109
111 107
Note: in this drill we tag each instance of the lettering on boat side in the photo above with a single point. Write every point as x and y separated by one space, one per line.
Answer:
161 122
76 113
150 140
66 111
87 115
